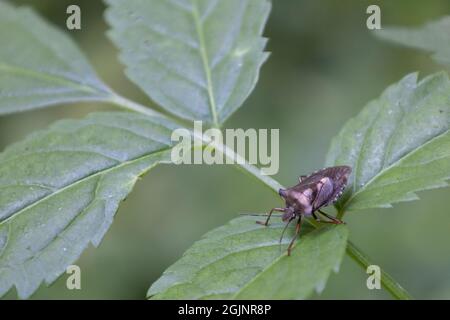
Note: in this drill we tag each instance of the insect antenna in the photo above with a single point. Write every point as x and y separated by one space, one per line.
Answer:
284 230
259 214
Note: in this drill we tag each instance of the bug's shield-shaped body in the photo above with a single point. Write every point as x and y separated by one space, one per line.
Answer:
315 191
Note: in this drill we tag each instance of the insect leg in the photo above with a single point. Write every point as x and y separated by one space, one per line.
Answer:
297 231
333 219
318 194
315 216
324 193
266 223
284 230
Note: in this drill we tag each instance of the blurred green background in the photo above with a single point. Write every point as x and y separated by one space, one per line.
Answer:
325 66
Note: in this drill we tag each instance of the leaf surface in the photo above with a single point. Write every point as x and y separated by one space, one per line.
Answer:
40 66
198 59
397 145
60 189
243 260
433 37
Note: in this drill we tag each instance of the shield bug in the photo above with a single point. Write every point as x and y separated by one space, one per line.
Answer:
313 192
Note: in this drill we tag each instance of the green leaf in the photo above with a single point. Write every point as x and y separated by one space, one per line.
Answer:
397 145
40 66
433 37
243 260
60 189
198 59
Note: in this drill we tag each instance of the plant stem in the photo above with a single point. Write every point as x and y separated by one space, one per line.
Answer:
388 283
131 105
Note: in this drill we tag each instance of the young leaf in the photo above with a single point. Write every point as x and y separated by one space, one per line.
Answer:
397 145
433 37
60 189
243 260
40 66
198 59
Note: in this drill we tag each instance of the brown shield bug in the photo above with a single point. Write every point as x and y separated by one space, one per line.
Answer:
313 192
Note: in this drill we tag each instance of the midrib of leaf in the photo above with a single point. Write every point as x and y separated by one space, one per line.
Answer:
388 148
47 77
87 178
358 160
205 60
381 172
87 207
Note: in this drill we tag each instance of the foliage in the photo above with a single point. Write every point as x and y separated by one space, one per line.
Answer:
198 59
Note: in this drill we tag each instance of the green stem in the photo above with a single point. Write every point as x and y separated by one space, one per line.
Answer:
133 106
388 283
